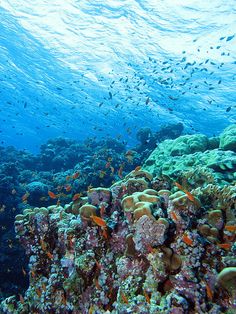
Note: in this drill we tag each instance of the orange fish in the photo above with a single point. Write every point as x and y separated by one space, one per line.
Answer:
49 255
33 274
24 272
225 246
76 196
99 221
120 171
174 216
43 245
76 175
22 301
230 228
189 196
38 291
179 186
146 296
44 286
104 233
108 165
137 168
150 248
112 170
98 265
52 195
124 298
209 292
25 196
102 210
64 301
97 284
187 240
68 188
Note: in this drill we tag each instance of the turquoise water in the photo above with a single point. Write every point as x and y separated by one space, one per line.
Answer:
86 68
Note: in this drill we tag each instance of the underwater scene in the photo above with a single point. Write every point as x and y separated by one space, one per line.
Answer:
117 157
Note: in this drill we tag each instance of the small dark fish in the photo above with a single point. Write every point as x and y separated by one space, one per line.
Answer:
25 104
147 101
221 38
173 98
228 109
110 95
230 37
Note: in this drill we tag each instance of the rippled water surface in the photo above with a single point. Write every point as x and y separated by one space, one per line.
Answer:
93 68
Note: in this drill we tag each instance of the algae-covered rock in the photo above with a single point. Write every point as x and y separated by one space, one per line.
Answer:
228 138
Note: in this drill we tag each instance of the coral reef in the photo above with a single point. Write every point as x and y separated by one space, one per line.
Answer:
158 240
129 249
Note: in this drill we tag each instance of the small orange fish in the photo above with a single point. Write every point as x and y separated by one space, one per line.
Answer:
76 196
68 188
97 284
64 300
124 298
230 228
44 286
52 195
225 246
99 221
43 245
23 271
137 168
25 196
179 186
105 233
107 165
102 210
174 216
76 175
189 196
187 240
120 171
209 292
49 255
33 274
147 297
112 170
150 249
38 291
22 301
98 265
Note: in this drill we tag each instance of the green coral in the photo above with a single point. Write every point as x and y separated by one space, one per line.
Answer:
190 153
228 138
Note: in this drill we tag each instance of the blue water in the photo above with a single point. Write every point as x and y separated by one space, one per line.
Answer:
97 68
